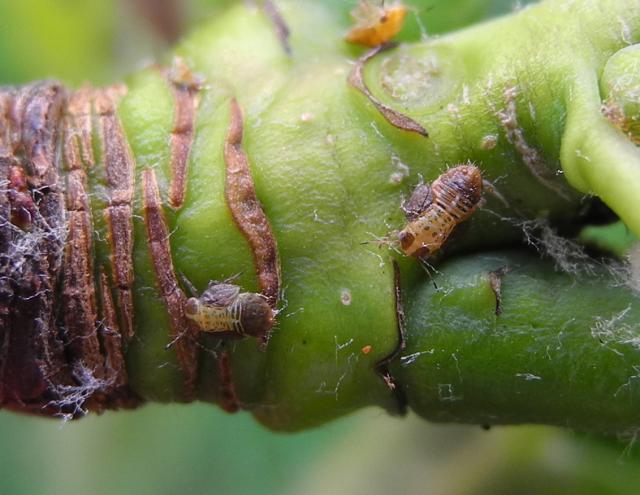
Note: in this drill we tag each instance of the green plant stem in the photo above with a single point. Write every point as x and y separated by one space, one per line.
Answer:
517 96
563 351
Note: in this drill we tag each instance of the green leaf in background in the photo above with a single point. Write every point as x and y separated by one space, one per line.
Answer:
72 40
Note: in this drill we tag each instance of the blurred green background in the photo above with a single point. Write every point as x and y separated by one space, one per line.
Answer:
197 449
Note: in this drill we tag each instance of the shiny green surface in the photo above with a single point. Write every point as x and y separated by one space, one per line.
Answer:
563 351
323 159
170 449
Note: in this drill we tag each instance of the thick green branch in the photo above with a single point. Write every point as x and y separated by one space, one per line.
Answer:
562 351
519 97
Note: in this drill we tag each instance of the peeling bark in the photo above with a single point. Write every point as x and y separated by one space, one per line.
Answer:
34 366
395 118
79 296
185 87
183 331
119 164
51 360
114 365
247 211
228 397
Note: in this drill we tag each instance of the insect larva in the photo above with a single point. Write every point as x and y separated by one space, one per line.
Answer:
375 25
435 210
223 308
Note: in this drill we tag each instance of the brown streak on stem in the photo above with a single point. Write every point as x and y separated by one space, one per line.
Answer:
495 281
120 167
279 24
120 237
40 121
382 366
395 118
170 292
109 330
247 211
79 300
78 292
228 397
118 157
80 128
185 89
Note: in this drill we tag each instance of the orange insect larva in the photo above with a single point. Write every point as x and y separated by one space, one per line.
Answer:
375 25
435 210
223 309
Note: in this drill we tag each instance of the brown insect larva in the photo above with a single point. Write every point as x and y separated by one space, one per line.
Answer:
223 308
375 25
435 210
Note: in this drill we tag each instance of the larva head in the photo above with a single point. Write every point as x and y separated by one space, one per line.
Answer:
256 315
191 307
410 245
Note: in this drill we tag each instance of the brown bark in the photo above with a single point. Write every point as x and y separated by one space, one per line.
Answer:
52 361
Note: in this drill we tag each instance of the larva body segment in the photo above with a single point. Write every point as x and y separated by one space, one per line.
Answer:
435 211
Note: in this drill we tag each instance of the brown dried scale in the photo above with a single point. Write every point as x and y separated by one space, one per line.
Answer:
228 400
80 126
495 282
183 331
120 167
247 211
186 87
395 118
